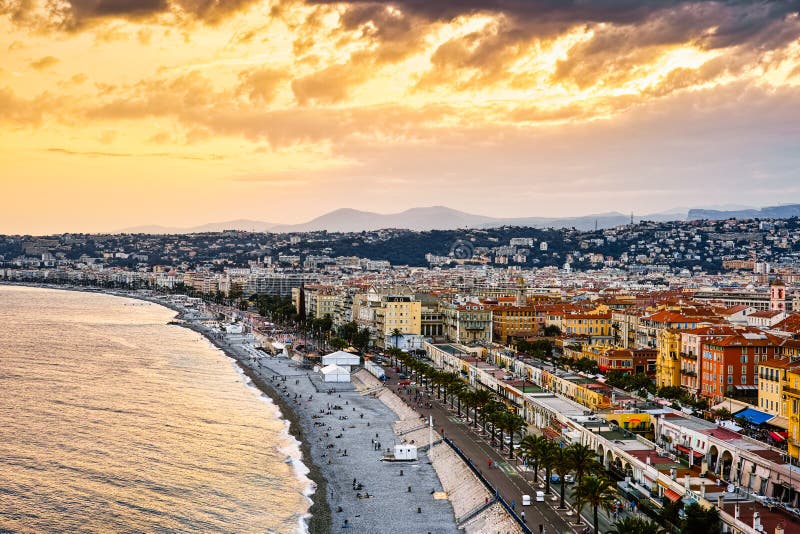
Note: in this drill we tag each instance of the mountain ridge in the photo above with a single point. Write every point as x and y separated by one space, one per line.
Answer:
445 218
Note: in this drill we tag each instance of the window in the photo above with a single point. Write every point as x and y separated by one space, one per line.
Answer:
730 379
744 379
730 369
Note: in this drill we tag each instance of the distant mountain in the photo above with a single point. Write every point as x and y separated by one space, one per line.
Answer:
240 224
350 220
770 212
443 218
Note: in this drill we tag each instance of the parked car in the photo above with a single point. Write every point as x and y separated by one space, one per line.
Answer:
569 479
555 479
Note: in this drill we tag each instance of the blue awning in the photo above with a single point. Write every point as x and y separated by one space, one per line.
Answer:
755 417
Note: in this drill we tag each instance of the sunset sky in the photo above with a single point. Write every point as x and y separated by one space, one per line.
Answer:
118 113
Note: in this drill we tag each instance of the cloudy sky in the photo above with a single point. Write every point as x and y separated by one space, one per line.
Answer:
116 113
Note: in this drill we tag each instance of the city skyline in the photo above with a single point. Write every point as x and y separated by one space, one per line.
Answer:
118 114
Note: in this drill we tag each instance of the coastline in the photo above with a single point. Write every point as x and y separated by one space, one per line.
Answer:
317 519
417 496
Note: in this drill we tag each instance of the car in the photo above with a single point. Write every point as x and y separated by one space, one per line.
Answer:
403 376
555 479
569 479
539 496
526 500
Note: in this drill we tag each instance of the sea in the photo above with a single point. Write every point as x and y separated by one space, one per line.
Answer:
111 420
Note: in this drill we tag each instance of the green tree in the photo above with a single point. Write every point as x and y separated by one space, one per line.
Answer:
583 460
597 492
547 460
396 335
338 343
531 450
562 467
512 424
636 525
699 520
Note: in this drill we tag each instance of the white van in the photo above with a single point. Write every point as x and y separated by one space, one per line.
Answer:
539 496
526 500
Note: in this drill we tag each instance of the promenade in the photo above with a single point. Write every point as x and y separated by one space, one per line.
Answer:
511 479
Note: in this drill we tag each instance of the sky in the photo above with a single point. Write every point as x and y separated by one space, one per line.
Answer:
118 113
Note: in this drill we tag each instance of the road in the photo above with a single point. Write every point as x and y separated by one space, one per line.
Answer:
507 476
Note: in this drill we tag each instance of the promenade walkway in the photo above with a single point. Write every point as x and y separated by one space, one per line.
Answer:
509 477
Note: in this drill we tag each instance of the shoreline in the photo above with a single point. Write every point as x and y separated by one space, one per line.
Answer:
318 516
317 519
419 495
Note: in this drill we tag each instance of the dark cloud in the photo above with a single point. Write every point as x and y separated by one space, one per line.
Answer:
75 14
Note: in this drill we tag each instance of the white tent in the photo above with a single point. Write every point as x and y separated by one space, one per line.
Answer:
342 359
334 373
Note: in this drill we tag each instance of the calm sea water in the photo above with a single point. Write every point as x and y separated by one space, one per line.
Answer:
111 420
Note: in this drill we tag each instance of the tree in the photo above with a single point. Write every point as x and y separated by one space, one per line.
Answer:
582 459
699 520
361 339
338 343
531 449
636 525
396 334
562 467
552 331
597 492
482 397
547 459
513 424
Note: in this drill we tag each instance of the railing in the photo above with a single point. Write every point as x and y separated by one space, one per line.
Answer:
492 489
791 391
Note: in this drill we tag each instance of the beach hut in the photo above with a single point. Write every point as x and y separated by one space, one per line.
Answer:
342 359
334 373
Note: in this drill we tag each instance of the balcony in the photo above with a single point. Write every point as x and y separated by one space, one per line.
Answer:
791 391
688 372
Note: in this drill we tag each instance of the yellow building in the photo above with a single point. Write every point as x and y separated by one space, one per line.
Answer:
668 366
596 325
791 392
771 376
398 313
513 322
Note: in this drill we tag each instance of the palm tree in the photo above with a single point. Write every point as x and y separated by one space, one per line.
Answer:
531 449
396 334
482 397
582 459
467 396
547 459
562 467
513 424
597 492
457 389
636 525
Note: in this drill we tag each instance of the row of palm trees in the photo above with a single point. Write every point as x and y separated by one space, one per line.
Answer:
481 407
591 489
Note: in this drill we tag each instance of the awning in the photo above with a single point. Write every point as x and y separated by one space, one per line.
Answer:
776 436
697 454
683 449
780 422
672 495
754 417
730 405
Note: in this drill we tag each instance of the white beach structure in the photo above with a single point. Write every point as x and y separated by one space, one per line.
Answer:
342 359
334 373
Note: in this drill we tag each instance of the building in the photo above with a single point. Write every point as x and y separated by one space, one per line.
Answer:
772 374
399 313
468 322
514 322
729 364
